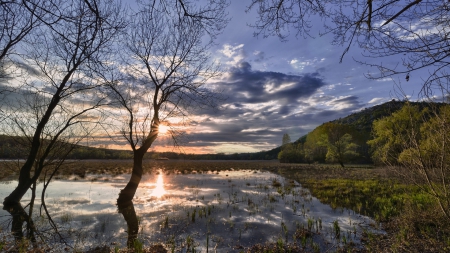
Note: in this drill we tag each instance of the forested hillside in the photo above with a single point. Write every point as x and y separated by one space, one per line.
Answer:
345 140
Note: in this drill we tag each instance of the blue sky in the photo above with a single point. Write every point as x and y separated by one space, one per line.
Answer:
274 87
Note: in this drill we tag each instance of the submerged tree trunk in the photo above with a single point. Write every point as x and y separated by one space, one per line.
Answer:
129 214
19 216
126 194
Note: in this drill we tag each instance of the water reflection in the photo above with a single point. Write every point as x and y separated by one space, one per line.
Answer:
159 190
235 208
19 217
129 214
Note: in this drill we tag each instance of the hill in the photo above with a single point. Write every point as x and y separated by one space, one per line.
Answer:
363 120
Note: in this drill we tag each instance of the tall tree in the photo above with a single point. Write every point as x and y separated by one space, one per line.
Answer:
340 146
66 54
286 139
167 64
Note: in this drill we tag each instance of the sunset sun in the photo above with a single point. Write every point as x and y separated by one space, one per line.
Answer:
163 129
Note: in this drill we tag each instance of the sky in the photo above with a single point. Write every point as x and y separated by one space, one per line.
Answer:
275 87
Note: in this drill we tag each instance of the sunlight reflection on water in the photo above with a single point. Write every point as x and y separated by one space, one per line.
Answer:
159 190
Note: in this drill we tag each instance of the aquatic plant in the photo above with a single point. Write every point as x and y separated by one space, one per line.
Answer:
336 229
138 246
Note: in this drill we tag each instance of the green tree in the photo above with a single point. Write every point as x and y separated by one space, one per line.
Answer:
313 150
291 153
416 145
392 133
341 149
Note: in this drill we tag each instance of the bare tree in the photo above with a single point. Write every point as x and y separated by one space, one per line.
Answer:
415 33
278 17
67 52
167 64
17 22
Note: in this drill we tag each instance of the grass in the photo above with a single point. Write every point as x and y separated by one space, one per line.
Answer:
411 218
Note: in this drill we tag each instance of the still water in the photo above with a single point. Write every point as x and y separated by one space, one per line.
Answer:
225 211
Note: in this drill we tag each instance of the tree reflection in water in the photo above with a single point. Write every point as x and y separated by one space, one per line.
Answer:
19 217
129 214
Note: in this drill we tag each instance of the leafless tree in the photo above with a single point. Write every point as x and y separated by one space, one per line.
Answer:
66 52
166 65
17 22
278 17
414 33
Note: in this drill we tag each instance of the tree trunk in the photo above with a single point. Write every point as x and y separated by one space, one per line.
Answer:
342 164
126 195
22 188
129 214
19 216
25 179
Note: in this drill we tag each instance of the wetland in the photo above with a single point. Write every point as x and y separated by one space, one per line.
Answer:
204 206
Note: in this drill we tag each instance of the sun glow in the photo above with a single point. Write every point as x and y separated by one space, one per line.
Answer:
163 129
159 190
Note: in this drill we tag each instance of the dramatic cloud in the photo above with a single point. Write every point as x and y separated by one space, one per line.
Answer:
247 86
262 105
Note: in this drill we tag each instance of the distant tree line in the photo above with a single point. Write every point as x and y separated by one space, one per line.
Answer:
16 148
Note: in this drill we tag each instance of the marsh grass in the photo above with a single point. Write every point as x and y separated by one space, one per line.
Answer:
410 217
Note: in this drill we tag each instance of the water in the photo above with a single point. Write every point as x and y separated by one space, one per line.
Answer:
225 211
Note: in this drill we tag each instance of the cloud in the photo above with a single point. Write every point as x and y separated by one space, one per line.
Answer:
235 54
259 56
377 100
248 86
301 64
263 105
